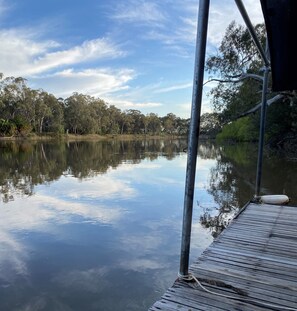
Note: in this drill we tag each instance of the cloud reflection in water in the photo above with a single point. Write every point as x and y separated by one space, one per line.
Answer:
88 236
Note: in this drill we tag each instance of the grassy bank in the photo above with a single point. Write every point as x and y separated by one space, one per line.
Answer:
89 137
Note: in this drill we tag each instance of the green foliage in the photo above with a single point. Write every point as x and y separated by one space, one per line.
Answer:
7 128
210 124
22 126
237 54
238 57
153 124
24 110
239 130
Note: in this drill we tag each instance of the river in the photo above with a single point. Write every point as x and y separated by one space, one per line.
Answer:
97 225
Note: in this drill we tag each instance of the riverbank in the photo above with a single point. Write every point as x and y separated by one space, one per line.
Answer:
88 137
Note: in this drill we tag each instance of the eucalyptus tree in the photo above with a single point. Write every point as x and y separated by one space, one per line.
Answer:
79 118
170 123
137 125
54 121
99 113
182 126
113 119
126 122
16 103
154 124
210 124
236 57
40 102
237 68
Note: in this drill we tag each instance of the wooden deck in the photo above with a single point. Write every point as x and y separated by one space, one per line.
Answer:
254 260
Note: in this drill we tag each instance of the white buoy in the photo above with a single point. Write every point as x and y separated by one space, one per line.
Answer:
274 199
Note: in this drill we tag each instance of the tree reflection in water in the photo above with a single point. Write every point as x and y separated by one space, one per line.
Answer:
23 165
232 181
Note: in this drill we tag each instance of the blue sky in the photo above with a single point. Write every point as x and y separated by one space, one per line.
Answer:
135 54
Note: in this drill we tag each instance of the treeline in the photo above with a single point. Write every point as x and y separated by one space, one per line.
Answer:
24 110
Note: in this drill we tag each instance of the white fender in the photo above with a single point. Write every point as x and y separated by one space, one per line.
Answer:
275 199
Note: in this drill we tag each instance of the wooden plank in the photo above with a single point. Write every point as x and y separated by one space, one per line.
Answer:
252 288
259 266
254 259
270 264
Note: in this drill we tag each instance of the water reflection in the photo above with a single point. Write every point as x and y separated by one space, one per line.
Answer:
232 182
25 165
96 225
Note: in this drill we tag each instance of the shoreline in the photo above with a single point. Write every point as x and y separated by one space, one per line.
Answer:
87 137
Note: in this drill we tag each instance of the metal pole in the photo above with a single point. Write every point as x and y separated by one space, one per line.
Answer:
203 14
251 29
262 132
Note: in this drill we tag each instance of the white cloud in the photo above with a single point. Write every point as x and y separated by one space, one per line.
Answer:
141 264
31 56
91 280
89 50
132 98
35 212
12 255
99 187
176 38
95 82
174 88
146 12
222 13
130 104
18 46
38 212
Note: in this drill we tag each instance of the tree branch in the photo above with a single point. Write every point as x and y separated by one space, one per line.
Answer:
240 78
258 106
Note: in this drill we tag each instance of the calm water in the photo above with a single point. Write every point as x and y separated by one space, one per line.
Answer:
96 225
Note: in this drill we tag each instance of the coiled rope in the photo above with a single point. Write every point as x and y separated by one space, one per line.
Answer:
191 277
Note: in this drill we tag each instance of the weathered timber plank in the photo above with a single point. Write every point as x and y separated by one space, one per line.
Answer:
256 256
248 260
248 253
212 302
259 266
253 289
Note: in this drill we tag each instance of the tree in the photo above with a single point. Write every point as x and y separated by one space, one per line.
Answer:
99 111
54 121
153 124
23 110
236 67
79 116
16 103
182 126
113 118
210 124
42 110
136 121
169 123
237 56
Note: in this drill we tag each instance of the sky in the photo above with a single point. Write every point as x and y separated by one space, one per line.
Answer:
134 54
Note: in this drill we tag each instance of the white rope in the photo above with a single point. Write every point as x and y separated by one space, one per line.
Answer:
242 299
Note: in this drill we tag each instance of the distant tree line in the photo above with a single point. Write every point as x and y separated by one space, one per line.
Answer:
24 110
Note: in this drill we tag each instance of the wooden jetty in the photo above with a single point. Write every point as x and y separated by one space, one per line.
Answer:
254 260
